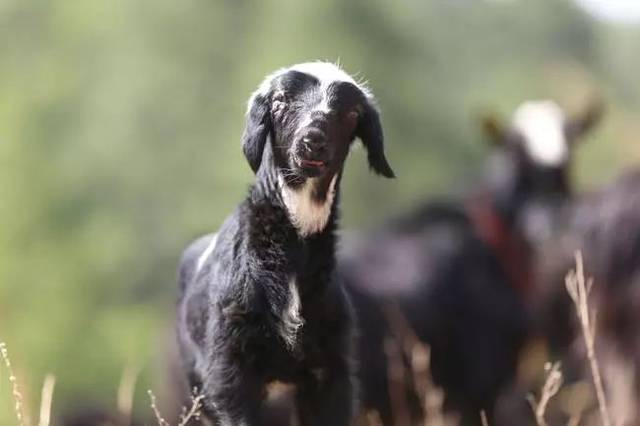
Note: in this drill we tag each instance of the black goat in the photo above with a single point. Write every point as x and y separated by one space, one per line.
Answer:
457 271
605 227
259 301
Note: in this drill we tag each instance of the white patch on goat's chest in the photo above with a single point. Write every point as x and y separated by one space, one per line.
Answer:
307 214
291 317
541 123
206 253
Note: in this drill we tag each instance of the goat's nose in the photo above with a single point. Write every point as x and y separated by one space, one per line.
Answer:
313 138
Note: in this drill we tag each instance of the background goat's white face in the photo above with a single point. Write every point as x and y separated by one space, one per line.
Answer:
538 143
311 113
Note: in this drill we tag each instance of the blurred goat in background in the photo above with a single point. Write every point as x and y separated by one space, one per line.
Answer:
605 226
459 271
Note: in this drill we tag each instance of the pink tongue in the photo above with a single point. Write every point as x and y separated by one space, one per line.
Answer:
314 163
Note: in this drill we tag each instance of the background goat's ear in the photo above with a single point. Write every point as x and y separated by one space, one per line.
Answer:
578 126
492 129
256 130
370 132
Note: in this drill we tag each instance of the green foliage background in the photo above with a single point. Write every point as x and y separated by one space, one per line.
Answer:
119 142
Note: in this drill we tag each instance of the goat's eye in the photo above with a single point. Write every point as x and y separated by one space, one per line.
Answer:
354 114
277 105
278 101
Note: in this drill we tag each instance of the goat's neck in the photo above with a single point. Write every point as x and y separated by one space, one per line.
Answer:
506 188
309 204
308 259
507 202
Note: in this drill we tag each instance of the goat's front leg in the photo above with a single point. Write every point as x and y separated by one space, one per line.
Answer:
233 394
327 398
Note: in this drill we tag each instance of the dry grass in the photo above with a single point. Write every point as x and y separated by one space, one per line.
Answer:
191 413
432 397
46 399
126 390
194 411
405 343
156 411
579 288
397 383
23 419
125 397
550 388
483 418
402 346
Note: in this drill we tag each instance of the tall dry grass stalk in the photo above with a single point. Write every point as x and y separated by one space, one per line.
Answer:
397 383
46 399
156 411
550 388
579 289
432 397
126 390
18 400
483 418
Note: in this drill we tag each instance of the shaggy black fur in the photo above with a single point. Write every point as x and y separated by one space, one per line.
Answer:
264 305
458 272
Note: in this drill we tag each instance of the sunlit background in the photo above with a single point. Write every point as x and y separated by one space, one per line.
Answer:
119 142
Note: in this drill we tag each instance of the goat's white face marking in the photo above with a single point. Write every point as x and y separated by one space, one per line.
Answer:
326 73
206 253
541 123
291 319
307 215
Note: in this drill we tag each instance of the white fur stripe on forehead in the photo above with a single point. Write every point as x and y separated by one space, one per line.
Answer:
541 124
325 72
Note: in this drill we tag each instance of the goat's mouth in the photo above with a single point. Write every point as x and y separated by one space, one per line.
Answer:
313 164
312 168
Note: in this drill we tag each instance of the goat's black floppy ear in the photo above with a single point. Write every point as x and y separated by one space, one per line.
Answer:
369 130
581 124
492 128
256 130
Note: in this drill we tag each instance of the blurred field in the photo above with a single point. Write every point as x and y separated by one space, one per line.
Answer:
119 142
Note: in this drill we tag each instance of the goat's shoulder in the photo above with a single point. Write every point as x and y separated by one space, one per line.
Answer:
193 257
233 267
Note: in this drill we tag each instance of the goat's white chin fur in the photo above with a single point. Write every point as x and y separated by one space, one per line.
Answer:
307 215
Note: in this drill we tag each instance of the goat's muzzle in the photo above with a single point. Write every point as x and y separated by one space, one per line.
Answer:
312 151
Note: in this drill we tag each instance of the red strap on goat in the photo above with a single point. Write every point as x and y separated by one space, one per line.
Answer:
512 251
